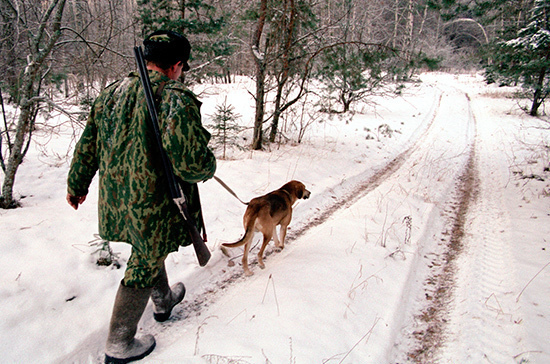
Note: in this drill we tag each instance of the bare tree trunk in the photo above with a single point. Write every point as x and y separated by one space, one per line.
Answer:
17 153
408 46
259 117
395 24
289 36
538 97
182 9
260 62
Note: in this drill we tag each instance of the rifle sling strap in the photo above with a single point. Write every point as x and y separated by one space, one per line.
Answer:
158 99
158 94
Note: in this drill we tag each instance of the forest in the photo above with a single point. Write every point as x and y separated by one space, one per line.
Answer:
56 55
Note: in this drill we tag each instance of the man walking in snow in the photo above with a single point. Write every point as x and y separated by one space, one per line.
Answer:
134 202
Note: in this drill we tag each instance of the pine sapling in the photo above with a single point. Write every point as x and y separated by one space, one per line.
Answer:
225 128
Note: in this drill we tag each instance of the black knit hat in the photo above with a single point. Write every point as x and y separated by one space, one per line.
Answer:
166 47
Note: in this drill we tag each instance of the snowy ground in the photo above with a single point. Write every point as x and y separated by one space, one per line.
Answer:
426 246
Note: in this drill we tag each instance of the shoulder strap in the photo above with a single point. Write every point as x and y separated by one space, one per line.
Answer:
158 94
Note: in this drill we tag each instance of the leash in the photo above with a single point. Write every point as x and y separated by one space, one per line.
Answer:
229 190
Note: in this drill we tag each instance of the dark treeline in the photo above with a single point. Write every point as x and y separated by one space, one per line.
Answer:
228 37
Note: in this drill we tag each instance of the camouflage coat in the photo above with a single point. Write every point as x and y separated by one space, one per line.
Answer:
134 204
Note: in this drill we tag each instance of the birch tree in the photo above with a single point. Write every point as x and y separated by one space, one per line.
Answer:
38 24
280 43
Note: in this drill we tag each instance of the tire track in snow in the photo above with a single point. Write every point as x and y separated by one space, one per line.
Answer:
440 286
484 304
469 293
426 306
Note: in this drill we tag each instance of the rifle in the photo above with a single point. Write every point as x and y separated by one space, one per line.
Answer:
201 250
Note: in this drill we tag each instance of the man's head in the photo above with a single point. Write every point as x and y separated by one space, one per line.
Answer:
166 48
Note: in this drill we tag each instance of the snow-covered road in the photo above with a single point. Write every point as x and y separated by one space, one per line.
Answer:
500 235
427 244
408 272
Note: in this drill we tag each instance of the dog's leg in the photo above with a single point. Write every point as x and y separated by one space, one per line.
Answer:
282 231
276 239
247 271
267 239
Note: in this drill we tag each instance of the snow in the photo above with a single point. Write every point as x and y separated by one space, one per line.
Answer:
356 274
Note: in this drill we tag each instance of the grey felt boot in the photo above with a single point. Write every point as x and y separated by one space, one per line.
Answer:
122 345
165 298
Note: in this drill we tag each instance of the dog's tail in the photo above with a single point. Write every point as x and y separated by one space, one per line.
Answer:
248 235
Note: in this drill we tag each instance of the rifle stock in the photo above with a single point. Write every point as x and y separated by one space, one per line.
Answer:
201 250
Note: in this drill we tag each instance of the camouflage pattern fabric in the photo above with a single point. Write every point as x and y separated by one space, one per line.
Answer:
142 271
134 205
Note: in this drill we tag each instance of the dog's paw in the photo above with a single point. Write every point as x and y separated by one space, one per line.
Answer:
279 249
248 273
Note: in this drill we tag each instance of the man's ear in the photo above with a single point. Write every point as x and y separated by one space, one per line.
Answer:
176 65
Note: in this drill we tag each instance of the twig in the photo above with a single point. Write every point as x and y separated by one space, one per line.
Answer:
267 361
531 280
407 220
218 359
498 310
199 330
357 343
383 235
274 292
363 284
230 321
527 352
395 252
292 358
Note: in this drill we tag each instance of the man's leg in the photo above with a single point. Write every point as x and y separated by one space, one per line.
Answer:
165 298
131 299
122 345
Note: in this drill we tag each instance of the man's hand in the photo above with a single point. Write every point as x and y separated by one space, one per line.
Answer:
74 201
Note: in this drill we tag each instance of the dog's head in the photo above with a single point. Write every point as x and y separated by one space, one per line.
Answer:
298 189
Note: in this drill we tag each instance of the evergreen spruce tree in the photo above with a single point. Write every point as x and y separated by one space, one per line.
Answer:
202 23
523 57
349 67
225 128
350 72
